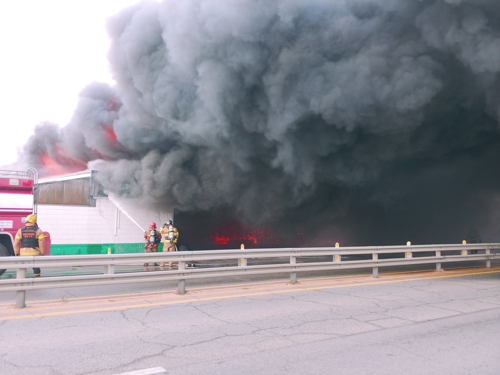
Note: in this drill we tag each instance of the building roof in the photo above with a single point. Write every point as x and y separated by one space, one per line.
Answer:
66 177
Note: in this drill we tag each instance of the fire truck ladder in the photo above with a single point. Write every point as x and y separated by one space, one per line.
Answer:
33 174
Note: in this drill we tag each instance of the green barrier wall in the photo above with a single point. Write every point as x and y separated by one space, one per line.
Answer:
101 248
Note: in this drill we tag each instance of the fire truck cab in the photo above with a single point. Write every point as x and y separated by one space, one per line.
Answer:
17 200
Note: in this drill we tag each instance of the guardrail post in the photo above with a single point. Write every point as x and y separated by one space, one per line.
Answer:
488 261
438 265
111 267
242 261
21 294
336 258
464 252
293 275
408 254
181 284
375 269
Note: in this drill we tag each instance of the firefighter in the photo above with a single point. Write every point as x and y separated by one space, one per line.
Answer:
30 241
171 235
153 239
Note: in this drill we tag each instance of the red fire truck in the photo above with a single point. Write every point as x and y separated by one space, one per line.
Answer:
17 200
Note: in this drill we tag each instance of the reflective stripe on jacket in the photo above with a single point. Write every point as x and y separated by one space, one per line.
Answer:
29 252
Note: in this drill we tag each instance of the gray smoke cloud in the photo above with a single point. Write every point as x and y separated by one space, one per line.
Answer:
372 121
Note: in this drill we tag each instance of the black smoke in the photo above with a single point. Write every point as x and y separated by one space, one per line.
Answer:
364 122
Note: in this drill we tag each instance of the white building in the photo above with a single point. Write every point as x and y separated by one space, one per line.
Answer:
82 219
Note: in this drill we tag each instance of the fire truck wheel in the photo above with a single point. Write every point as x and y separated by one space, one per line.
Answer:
3 253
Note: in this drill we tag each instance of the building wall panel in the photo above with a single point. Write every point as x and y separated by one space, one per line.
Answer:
100 225
71 192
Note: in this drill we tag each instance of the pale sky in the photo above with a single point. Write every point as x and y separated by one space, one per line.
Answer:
51 49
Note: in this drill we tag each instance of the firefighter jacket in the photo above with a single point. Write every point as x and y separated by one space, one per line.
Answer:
152 237
29 241
171 234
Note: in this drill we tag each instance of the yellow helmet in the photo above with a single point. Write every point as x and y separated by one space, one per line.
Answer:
31 219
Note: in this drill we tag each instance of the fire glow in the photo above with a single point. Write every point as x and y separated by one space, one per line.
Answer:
110 133
253 237
54 168
224 240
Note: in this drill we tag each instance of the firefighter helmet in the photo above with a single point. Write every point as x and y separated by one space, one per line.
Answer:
168 222
31 219
152 225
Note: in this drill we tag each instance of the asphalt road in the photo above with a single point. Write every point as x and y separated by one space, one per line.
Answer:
417 322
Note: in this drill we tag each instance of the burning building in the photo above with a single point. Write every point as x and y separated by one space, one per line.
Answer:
297 122
83 219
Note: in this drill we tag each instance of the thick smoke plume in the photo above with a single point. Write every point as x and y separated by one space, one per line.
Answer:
364 122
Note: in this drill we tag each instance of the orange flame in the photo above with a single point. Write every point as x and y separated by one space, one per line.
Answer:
110 134
53 168
220 240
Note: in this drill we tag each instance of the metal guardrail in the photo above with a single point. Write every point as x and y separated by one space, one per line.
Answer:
286 263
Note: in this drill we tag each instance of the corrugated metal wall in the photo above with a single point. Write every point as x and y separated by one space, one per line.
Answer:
77 192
